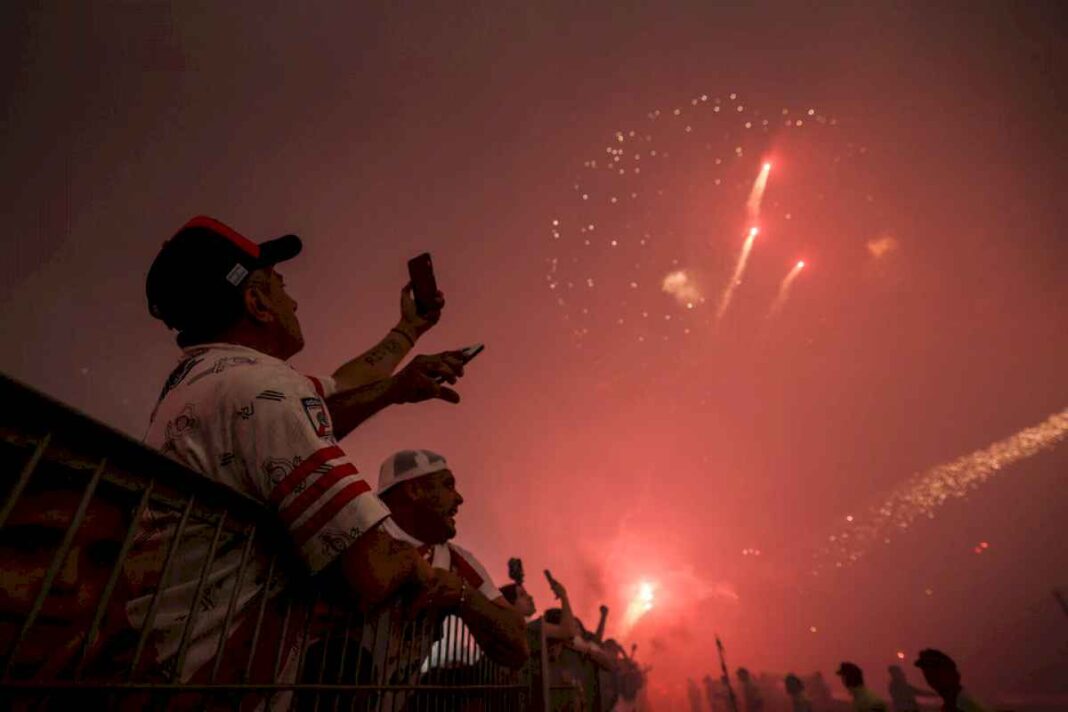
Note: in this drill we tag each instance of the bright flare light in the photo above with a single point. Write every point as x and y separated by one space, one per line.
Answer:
784 288
641 604
756 194
739 270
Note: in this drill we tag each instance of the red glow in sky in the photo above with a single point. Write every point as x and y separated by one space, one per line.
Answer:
612 431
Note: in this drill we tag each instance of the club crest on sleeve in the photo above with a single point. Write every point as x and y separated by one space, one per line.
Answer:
316 412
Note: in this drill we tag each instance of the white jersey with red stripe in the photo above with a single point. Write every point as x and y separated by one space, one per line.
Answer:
251 422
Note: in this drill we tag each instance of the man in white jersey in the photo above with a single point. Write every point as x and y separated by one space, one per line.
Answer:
234 410
420 490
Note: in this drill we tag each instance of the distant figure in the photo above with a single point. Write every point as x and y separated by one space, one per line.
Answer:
902 694
818 690
864 700
694 693
796 690
942 675
753 700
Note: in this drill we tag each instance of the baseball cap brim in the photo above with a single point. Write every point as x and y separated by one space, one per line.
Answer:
279 249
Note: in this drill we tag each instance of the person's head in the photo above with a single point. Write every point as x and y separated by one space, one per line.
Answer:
896 673
852 676
520 599
793 684
420 491
743 674
29 541
939 671
210 283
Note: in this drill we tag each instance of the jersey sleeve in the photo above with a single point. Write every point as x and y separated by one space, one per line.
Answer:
474 572
283 432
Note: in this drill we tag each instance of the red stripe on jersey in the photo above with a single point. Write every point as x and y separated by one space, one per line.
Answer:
318 386
317 489
327 512
301 471
465 569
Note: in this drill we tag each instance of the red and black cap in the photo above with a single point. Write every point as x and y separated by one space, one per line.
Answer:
197 276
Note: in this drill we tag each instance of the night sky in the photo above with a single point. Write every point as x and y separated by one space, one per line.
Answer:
610 431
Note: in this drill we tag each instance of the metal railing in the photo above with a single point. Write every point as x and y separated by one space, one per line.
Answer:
130 582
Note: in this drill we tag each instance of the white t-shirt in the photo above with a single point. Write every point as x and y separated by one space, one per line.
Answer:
251 422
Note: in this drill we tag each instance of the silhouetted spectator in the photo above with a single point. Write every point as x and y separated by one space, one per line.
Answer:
864 700
753 700
795 689
694 693
902 694
818 690
942 675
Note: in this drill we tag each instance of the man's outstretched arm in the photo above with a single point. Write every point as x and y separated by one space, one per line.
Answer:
418 381
381 360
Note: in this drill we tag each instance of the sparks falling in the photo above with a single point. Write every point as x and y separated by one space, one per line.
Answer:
756 195
925 492
784 288
739 270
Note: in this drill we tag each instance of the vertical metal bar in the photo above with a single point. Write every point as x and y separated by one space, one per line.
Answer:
344 653
24 477
309 615
113 579
150 616
240 579
194 605
58 560
330 625
283 649
259 619
339 679
409 630
543 664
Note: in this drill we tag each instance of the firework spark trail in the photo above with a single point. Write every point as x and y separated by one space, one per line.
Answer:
925 492
739 270
756 195
784 288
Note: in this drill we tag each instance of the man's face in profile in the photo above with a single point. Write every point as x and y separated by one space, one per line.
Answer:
438 501
29 540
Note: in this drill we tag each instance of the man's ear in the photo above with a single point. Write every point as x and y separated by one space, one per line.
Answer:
256 306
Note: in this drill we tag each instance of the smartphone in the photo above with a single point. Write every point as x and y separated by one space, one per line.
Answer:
471 351
549 576
465 356
515 570
424 286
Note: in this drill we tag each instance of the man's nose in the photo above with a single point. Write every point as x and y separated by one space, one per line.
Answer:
459 498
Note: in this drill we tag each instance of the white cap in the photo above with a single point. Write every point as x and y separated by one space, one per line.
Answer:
407 465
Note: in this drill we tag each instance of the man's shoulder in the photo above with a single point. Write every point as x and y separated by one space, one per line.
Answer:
465 554
245 375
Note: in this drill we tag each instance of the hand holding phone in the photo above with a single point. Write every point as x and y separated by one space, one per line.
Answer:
424 285
557 588
515 570
466 354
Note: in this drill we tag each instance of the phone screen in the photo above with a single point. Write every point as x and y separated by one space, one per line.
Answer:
424 285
